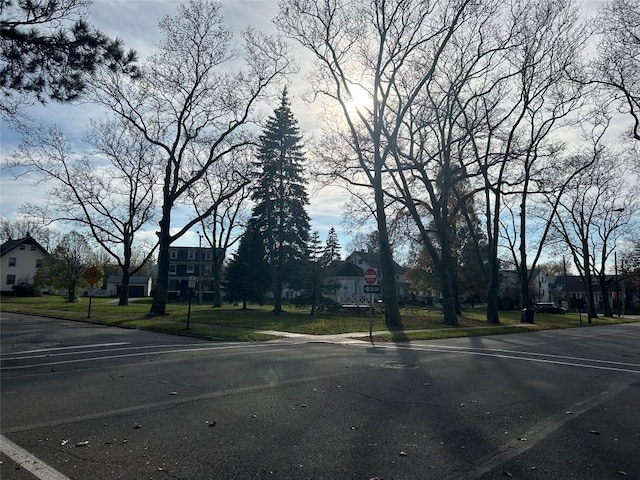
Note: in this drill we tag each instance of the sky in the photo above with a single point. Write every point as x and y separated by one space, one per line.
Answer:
135 22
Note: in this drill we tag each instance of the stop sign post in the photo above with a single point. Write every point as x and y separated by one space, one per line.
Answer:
370 278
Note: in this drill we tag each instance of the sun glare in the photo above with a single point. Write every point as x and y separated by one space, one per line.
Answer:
360 101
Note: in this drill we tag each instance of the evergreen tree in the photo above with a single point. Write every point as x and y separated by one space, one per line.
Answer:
48 50
332 247
247 274
279 215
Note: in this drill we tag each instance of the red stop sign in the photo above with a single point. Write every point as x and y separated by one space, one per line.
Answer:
370 276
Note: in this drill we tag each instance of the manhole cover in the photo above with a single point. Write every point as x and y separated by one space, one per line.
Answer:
395 365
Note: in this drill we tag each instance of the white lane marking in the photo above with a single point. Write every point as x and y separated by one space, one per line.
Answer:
539 432
69 348
28 461
159 352
83 352
526 359
535 354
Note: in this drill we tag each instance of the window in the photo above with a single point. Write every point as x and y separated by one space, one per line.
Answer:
192 254
33 248
38 262
11 279
172 269
173 254
207 269
207 255
12 261
190 268
23 247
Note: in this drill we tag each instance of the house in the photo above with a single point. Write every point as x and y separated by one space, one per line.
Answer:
191 263
19 262
348 277
509 288
569 291
139 286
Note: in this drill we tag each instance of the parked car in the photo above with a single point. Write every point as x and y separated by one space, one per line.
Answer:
548 307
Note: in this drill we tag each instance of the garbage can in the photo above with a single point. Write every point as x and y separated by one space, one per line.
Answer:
527 315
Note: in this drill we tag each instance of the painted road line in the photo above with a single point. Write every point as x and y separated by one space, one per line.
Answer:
93 345
29 462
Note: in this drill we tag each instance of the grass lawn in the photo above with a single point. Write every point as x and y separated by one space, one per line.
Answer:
232 323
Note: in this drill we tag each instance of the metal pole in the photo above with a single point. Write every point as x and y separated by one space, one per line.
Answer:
371 317
199 269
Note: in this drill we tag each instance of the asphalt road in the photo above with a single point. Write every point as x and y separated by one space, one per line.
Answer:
92 402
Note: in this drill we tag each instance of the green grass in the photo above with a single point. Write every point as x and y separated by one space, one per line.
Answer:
232 323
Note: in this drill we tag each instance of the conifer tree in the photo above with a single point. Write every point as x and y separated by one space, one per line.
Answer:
332 248
279 215
247 274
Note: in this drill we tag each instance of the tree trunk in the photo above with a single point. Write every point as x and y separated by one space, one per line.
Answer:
606 306
124 288
277 290
493 317
216 277
161 295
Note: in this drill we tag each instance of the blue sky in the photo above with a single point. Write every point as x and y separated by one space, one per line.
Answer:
135 22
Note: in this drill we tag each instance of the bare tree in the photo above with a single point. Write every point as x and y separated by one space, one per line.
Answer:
592 216
372 60
195 101
617 68
66 264
225 192
111 193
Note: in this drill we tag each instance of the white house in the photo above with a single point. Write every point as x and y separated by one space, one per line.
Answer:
349 280
19 262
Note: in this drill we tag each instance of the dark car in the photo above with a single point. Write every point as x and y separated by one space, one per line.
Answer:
545 307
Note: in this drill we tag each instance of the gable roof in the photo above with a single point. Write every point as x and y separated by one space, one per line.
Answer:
375 261
345 269
10 245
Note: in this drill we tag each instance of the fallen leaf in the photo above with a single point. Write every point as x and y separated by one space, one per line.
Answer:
173 393
137 426
522 439
506 474
595 432
83 443
403 454
212 423
622 473
64 442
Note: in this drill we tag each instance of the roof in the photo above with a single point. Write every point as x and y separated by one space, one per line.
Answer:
10 245
345 269
375 261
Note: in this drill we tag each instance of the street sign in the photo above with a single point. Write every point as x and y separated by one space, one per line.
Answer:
92 275
370 276
192 282
372 289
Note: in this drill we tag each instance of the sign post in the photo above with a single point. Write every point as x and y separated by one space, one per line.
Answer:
91 275
371 280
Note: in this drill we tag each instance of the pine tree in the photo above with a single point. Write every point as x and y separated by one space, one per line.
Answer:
332 248
247 274
280 195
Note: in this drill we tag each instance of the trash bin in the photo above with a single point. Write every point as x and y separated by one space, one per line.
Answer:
527 315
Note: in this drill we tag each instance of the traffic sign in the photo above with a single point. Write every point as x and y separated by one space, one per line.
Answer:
372 289
370 276
92 275
192 282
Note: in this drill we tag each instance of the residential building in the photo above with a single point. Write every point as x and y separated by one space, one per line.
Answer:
187 263
19 262
347 275
509 288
